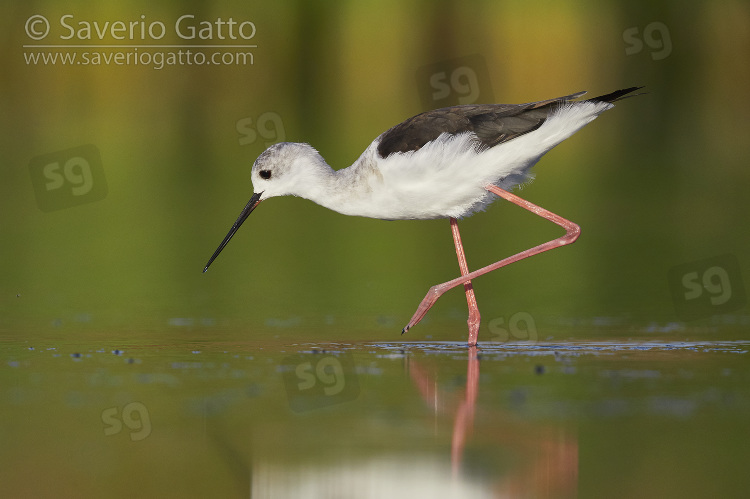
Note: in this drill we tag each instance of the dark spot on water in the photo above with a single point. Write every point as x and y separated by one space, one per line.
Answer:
117 352
75 355
131 361
539 369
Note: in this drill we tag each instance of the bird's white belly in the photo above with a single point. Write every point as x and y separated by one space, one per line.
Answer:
447 177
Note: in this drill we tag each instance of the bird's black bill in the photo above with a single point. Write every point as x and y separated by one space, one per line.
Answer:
249 207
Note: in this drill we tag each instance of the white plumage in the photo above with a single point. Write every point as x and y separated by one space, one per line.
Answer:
445 178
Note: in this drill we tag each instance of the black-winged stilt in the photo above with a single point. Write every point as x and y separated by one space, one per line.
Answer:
446 163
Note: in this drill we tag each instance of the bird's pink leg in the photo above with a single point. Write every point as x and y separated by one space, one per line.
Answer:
572 231
471 300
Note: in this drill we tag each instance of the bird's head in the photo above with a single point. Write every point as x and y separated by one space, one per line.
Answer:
286 168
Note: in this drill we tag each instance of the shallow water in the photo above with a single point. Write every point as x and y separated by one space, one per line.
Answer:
206 418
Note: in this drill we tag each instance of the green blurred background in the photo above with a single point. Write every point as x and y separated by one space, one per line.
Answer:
659 181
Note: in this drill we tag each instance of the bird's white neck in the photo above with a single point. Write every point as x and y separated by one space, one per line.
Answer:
334 189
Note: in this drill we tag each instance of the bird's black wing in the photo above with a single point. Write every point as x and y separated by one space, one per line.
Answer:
493 124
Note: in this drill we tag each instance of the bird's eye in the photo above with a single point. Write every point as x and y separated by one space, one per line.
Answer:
265 174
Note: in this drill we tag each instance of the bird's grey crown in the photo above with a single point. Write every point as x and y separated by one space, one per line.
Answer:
279 157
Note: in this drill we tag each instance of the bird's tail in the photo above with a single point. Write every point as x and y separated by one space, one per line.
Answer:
617 95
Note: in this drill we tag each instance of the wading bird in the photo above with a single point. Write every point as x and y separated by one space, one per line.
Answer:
447 163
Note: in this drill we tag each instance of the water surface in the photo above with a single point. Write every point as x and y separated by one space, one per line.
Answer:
631 418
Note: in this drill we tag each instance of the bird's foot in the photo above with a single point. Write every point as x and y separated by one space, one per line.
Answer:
429 300
473 322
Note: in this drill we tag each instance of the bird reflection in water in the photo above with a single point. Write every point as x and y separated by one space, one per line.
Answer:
548 464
